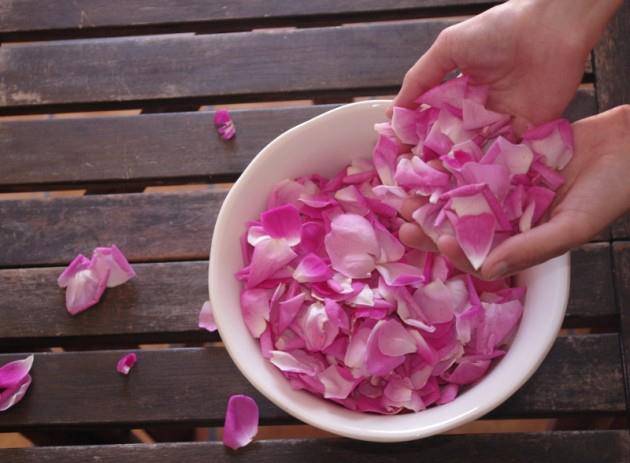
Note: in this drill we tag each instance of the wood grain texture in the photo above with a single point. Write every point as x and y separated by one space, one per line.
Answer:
163 302
612 61
550 447
161 305
582 373
620 229
153 148
147 227
32 15
621 256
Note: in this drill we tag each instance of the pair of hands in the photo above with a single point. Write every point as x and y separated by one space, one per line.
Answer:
532 59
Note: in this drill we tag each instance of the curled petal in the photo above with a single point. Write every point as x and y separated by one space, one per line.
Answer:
12 395
14 372
224 124
399 274
126 363
79 263
241 421
113 259
206 318
384 156
338 382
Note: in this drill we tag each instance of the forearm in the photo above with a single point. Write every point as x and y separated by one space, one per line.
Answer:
580 20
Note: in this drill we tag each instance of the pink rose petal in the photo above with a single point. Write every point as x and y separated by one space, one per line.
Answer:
241 421
224 124
13 394
206 318
126 363
13 373
112 259
283 222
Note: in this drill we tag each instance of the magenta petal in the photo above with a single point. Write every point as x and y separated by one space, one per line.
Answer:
79 263
12 395
476 116
113 259
312 238
448 393
241 421
496 176
255 308
391 249
312 269
224 124
395 340
542 199
270 255
338 382
14 372
468 371
126 363
474 234
288 310
283 222
206 319
337 315
404 123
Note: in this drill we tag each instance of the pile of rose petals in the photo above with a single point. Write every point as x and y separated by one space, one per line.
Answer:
85 279
14 382
345 310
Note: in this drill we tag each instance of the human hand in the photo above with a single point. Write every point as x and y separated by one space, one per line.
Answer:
596 191
530 53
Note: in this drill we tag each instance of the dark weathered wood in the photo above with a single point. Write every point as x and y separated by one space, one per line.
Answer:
120 149
621 228
147 227
152 149
549 447
81 17
621 255
592 294
581 374
160 305
612 61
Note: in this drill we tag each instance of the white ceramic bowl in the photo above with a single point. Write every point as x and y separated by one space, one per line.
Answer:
324 145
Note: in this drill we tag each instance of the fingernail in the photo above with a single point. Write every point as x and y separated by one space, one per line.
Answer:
500 270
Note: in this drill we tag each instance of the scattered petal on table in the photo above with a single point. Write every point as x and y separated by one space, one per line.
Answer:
206 318
126 363
241 421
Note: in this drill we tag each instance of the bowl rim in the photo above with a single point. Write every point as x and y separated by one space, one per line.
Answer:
562 262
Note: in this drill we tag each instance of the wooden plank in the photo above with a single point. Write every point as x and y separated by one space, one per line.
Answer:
87 15
592 294
550 447
621 228
160 305
147 227
139 312
153 148
612 61
621 255
582 373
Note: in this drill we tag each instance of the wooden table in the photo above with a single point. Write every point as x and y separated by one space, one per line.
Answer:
167 59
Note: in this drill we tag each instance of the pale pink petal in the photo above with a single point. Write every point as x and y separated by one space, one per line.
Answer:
12 395
285 192
476 116
553 140
499 320
451 92
283 222
496 176
224 124
338 382
288 310
206 318
474 234
467 321
393 196
14 372
296 361
288 340
517 158
448 393
357 347
404 123
364 297
384 156
269 256
415 173
391 249
312 269
378 363
425 217
337 315
352 245
85 288
113 259
255 308
317 330
351 200
126 363
436 302
399 274
79 263
241 421
394 339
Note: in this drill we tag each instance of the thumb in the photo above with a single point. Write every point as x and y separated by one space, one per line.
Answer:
533 247
427 72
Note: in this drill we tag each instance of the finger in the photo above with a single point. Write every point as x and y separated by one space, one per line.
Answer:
448 245
410 205
411 235
427 72
532 247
